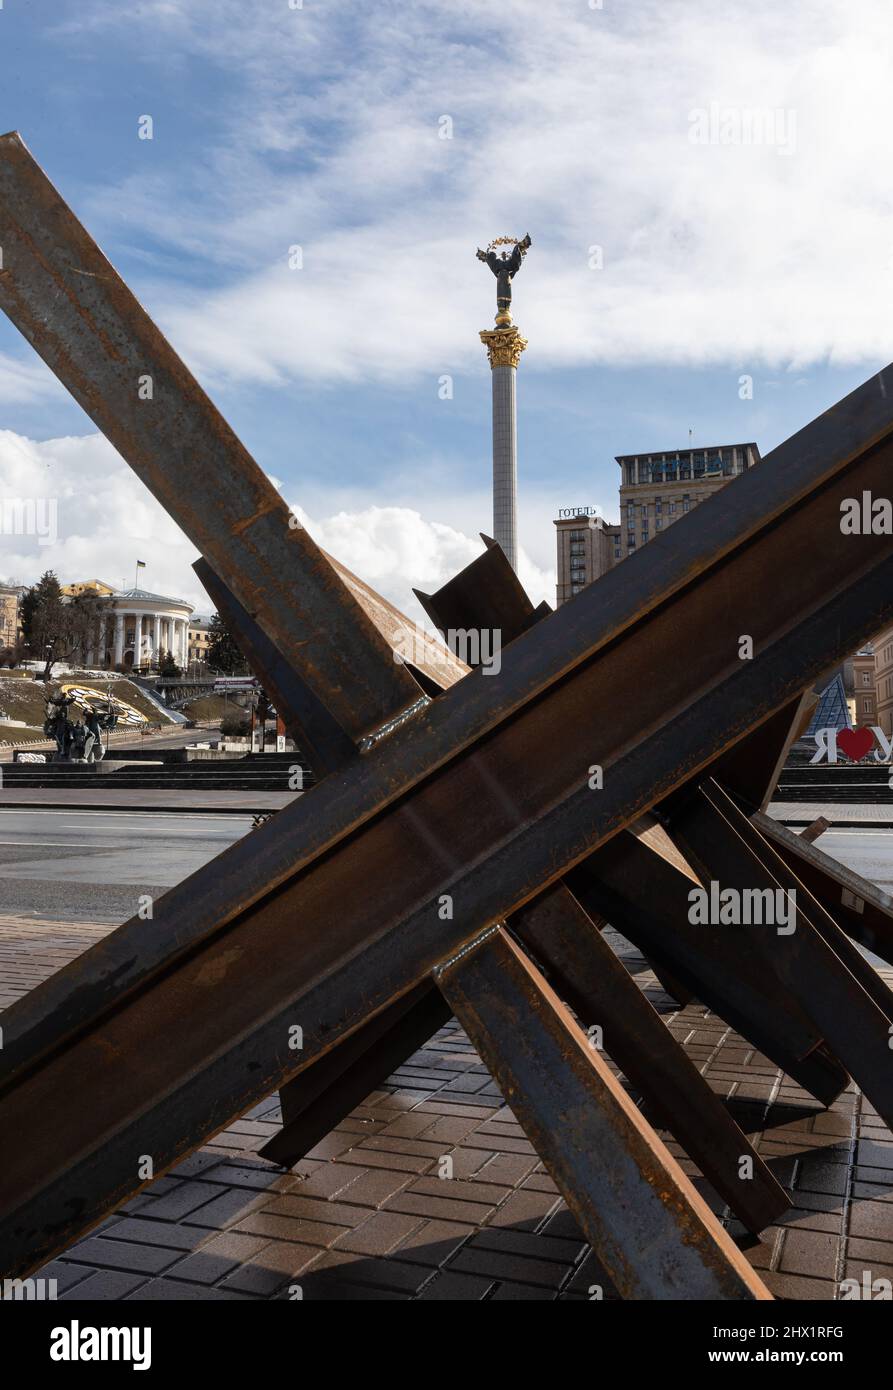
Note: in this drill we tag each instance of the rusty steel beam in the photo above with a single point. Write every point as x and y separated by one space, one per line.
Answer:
321 1095
645 895
489 586
584 970
653 1233
321 739
488 825
68 301
864 911
318 1097
852 1012
752 768
316 1100
488 594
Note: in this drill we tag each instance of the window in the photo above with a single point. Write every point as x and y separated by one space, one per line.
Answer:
866 678
658 525
577 536
686 505
644 534
867 706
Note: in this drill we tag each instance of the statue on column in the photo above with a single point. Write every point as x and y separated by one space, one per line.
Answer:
505 267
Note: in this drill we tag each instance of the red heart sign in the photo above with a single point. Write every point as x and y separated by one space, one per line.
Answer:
856 743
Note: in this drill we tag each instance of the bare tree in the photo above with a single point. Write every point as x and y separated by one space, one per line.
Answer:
58 627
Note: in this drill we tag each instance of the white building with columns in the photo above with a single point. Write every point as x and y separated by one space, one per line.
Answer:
139 627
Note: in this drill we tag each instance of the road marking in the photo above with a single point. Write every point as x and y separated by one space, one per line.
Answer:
45 844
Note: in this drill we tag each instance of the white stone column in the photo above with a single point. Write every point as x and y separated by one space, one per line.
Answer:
184 644
118 654
504 347
137 640
156 639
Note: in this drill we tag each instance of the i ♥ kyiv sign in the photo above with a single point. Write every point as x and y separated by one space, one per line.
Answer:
855 744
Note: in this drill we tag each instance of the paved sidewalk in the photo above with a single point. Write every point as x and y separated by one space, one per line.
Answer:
367 1215
876 815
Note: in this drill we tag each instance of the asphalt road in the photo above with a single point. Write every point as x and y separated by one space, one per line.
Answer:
92 866
866 852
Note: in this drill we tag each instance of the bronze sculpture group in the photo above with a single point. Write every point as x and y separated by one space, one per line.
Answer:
77 741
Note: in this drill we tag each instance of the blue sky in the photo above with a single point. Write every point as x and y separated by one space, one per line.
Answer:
321 126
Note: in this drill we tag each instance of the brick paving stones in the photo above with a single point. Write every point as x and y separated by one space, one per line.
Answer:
375 1212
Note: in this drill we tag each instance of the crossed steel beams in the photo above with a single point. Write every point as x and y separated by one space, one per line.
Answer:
557 930
155 1040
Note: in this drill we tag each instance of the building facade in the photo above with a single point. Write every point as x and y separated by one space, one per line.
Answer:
656 489
137 627
864 696
10 595
883 680
141 627
588 546
199 640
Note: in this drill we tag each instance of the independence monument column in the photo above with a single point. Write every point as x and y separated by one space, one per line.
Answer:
504 346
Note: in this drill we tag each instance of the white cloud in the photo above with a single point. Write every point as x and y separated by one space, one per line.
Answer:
27 381
107 520
396 550
569 122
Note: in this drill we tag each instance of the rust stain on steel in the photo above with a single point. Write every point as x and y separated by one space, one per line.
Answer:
214 972
270 505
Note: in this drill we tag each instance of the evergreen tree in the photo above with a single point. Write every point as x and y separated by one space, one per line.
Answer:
58 628
223 653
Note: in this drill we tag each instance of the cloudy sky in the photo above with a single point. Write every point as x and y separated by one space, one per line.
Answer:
707 189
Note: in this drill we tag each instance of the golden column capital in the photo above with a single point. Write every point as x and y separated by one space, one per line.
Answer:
504 346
